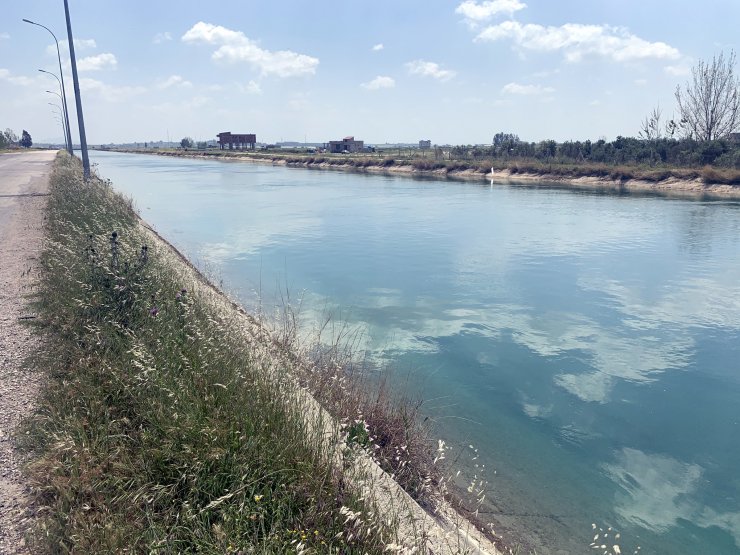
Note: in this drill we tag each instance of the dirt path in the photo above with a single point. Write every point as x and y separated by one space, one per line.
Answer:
23 186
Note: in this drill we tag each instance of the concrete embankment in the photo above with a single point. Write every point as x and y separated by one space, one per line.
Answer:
446 531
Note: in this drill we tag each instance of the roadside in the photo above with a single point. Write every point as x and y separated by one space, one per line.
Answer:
24 180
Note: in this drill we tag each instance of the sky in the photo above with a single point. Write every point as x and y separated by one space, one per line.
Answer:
454 72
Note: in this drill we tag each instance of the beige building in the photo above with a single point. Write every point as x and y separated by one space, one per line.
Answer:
348 144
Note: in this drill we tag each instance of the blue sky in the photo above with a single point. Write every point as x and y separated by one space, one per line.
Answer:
384 71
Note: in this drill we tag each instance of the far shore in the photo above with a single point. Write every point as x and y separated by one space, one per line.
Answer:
689 186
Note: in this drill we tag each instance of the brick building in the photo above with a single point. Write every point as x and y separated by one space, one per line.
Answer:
239 141
348 144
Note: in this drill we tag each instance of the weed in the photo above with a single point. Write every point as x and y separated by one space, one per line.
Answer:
165 426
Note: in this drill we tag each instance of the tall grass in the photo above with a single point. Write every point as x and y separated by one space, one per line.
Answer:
166 426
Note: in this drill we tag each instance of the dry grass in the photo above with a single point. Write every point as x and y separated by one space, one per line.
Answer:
162 429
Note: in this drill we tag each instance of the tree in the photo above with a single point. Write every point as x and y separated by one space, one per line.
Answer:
8 138
26 139
650 127
710 104
187 142
501 138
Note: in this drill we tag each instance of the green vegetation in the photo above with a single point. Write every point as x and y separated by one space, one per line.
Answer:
26 141
172 425
8 138
714 162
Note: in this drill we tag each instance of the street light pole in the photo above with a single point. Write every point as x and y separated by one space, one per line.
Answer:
64 94
61 119
61 86
61 115
78 100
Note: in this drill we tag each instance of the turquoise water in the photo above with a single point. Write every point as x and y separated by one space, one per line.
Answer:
586 344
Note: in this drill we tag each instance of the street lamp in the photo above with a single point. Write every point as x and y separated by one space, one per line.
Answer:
66 144
61 115
64 95
68 135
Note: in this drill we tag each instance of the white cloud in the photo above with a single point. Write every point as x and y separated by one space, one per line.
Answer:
173 81
516 88
105 60
484 11
677 70
81 45
20 80
234 46
213 34
110 93
6 36
641 82
576 41
162 37
378 47
429 69
380 82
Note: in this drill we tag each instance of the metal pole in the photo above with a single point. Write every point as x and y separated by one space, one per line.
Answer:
64 94
66 143
67 138
78 100
61 115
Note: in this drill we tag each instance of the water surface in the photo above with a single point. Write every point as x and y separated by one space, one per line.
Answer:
586 344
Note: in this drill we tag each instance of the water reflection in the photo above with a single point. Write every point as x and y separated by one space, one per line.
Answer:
657 492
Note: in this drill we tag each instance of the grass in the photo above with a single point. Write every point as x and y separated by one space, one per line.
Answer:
168 426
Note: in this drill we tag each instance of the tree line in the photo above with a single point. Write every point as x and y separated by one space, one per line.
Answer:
9 138
623 150
704 133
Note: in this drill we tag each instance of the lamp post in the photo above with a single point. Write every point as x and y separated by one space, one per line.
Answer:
61 84
68 134
78 99
61 116
60 119
64 121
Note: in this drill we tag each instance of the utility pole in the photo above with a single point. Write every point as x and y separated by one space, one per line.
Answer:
80 119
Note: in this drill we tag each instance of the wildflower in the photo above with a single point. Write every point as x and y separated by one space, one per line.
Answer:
258 498
153 312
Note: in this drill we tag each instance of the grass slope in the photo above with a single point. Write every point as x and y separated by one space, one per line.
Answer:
161 430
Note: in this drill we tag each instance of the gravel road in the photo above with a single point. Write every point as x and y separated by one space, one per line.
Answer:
24 184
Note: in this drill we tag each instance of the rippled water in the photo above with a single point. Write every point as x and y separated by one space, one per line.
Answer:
586 344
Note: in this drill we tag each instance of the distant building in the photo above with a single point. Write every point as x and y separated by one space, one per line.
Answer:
348 144
241 141
425 144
